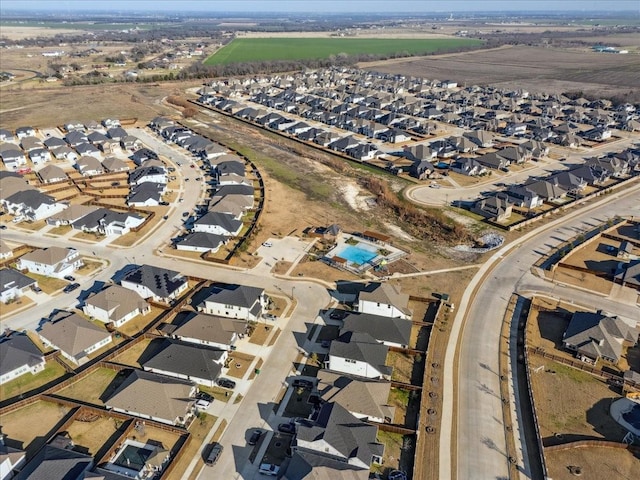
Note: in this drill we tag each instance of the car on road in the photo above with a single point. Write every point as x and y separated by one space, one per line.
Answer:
192 166
71 287
69 278
186 179
165 217
435 185
185 214
267 244
337 315
214 454
255 436
3 227
287 428
198 179
204 396
180 200
301 383
226 383
269 469
202 404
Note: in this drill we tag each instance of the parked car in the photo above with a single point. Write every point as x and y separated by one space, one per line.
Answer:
69 278
255 436
36 289
226 383
203 404
3 227
269 316
337 315
192 166
204 396
301 383
71 287
269 469
267 244
165 217
287 428
214 454
185 214
164 204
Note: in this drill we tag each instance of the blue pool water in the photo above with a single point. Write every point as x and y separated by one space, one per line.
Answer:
357 254
633 416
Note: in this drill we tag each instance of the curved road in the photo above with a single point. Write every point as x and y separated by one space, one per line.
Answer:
480 441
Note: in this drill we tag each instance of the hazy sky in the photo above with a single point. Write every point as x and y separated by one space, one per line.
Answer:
324 6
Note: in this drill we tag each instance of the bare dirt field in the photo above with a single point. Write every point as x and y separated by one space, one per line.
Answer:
28 427
92 435
531 68
20 32
595 463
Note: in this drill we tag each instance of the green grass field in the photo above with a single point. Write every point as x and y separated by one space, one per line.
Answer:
267 49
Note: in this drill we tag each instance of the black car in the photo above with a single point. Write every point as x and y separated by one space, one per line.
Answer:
214 454
115 184
204 396
71 287
226 383
69 278
337 315
300 383
255 436
3 227
287 428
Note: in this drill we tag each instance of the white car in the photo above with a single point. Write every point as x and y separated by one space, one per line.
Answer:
269 469
267 244
202 404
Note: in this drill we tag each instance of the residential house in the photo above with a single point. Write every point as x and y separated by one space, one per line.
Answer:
14 284
57 460
385 300
147 194
596 336
391 331
359 354
107 222
52 174
422 169
156 397
130 142
159 284
573 184
482 138
201 242
88 150
19 356
11 459
362 152
493 160
497 207
13 159
153 174
468 166
629 275
114 164
5 250
548 191
6 135
65 153
75 336
140 156
70 215
185 360
211 330
88 166
22 132
116 305
56 262
340 437
117 133
364 399
523 197
32 205
54 142
517 155
218 224
420 152
75 138
39 155
235 301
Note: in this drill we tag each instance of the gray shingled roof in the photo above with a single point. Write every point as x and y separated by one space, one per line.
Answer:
10 278
210 328
306 465
361 347
386 294
53 463
203 240
184 358
73 334
161 281
383 329
31 199
239 295
17 351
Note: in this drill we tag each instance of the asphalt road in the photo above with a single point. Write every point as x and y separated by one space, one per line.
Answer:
481 445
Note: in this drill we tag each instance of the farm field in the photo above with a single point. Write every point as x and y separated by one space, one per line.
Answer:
267 49
531 68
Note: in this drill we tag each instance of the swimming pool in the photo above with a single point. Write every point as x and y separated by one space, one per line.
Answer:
133 457
357 254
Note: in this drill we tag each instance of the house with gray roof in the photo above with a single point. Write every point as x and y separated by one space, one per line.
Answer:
210 330
145 173
147 194
188 361
596 336
75 138
39 155
468 166
32 205
363 398
71 214
156 397
57 460
201 242
75 336
359 354
393 332
234 301
52 174
218 223
14 284
497 207
339 436
115 304
88 165
159 284
6 135
5 250
56 262
53 142
107 222
19 356
629 275
114 164
385 300
13 158
548 191
89 150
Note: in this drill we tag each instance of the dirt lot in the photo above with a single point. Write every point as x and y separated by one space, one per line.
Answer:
532 68
595 464
92 435
91 388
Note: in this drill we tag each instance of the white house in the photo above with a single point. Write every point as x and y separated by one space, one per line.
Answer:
13 159
19 356
11 459
108 222
235 301
14 284
358 354
218 224
210 330
153 174
88 165
115 304
74 336
159 284
32 205
51 262
385 300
